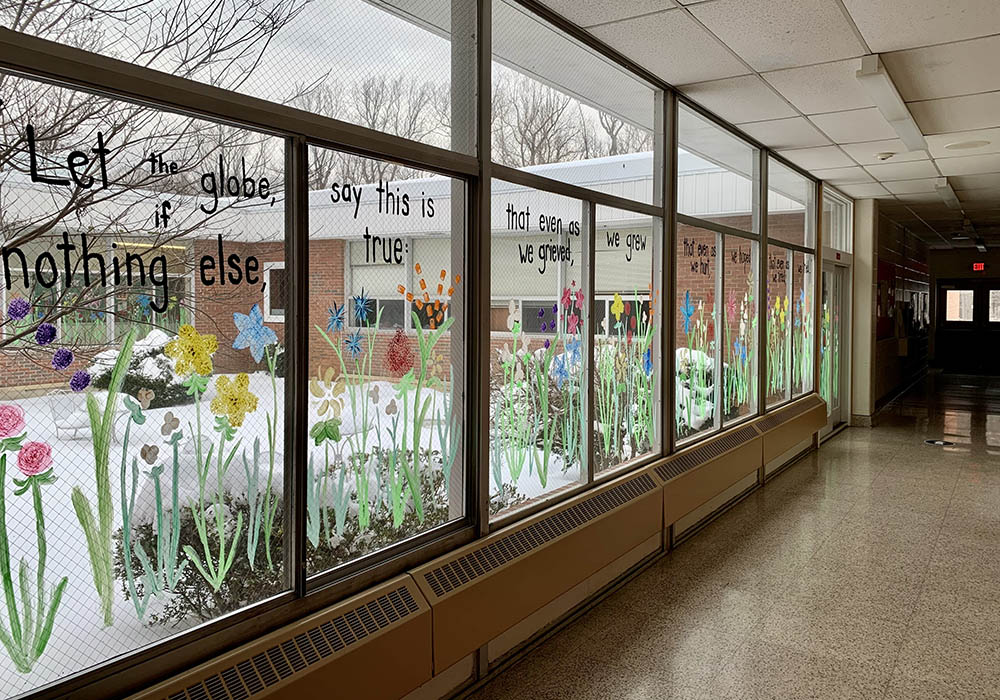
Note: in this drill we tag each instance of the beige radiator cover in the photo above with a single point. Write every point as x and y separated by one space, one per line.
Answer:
469 616
784 437
695 487
388 663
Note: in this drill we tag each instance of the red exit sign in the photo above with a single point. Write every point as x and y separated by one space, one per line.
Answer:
978 267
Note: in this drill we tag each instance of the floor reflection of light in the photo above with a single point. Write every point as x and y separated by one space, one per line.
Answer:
957 423
992 431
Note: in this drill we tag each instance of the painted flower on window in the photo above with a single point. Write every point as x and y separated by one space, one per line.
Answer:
513 315
617 306
335 320
192 351
687 311
233 399
253 333
362 304
11 420
79 381
34 458
353 343
18 309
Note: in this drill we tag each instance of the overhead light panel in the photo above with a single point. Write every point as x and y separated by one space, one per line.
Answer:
879 86
945 192
980 245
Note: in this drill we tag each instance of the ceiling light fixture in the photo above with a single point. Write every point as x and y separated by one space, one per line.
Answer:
945 192
877 82
966 145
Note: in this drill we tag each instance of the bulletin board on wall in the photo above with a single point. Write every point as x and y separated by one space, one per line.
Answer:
885 306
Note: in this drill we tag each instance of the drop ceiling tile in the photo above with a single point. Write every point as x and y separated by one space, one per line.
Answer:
925 184
957 113
844 176
673 46
775 34
854 125
970 165
938 143
826 87
796 132
975 182
587 13
902 171
864 153
865 191
822 158
948 70
743 99
890 25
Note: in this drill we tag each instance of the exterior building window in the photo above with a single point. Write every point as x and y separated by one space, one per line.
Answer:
274 292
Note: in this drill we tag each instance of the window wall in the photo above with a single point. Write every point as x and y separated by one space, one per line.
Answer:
386 359
142 473
715 262
791 284
277 317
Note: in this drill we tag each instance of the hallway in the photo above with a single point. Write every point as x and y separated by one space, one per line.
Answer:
866 570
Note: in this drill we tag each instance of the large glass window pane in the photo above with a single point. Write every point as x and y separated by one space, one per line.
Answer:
386 359
695 362
803 330
538 359
830 340
778 315
627 346
407 69
838 222
739 390
562 110
790 198
715 172
134 242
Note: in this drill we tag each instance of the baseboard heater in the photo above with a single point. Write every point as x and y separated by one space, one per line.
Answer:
375 645
694 476
790 425
485 588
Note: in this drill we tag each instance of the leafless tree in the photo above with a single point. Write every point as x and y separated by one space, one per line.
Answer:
623 137
533 123
221 42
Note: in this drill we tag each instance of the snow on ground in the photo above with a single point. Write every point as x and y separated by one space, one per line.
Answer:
79 639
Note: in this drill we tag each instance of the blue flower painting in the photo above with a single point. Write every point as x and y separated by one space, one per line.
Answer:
253 333
335 323
687 310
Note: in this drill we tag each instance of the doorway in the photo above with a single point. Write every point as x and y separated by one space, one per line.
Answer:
967 335
834 344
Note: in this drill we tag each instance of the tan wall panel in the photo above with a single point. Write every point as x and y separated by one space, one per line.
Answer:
684 493
787 435
471 615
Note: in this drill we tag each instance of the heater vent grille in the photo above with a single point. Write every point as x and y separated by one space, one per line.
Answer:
705 453
775 419
481 561
258 673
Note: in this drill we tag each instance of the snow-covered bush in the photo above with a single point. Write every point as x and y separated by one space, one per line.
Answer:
149 369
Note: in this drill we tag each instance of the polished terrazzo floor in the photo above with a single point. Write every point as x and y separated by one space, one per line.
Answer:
869 569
